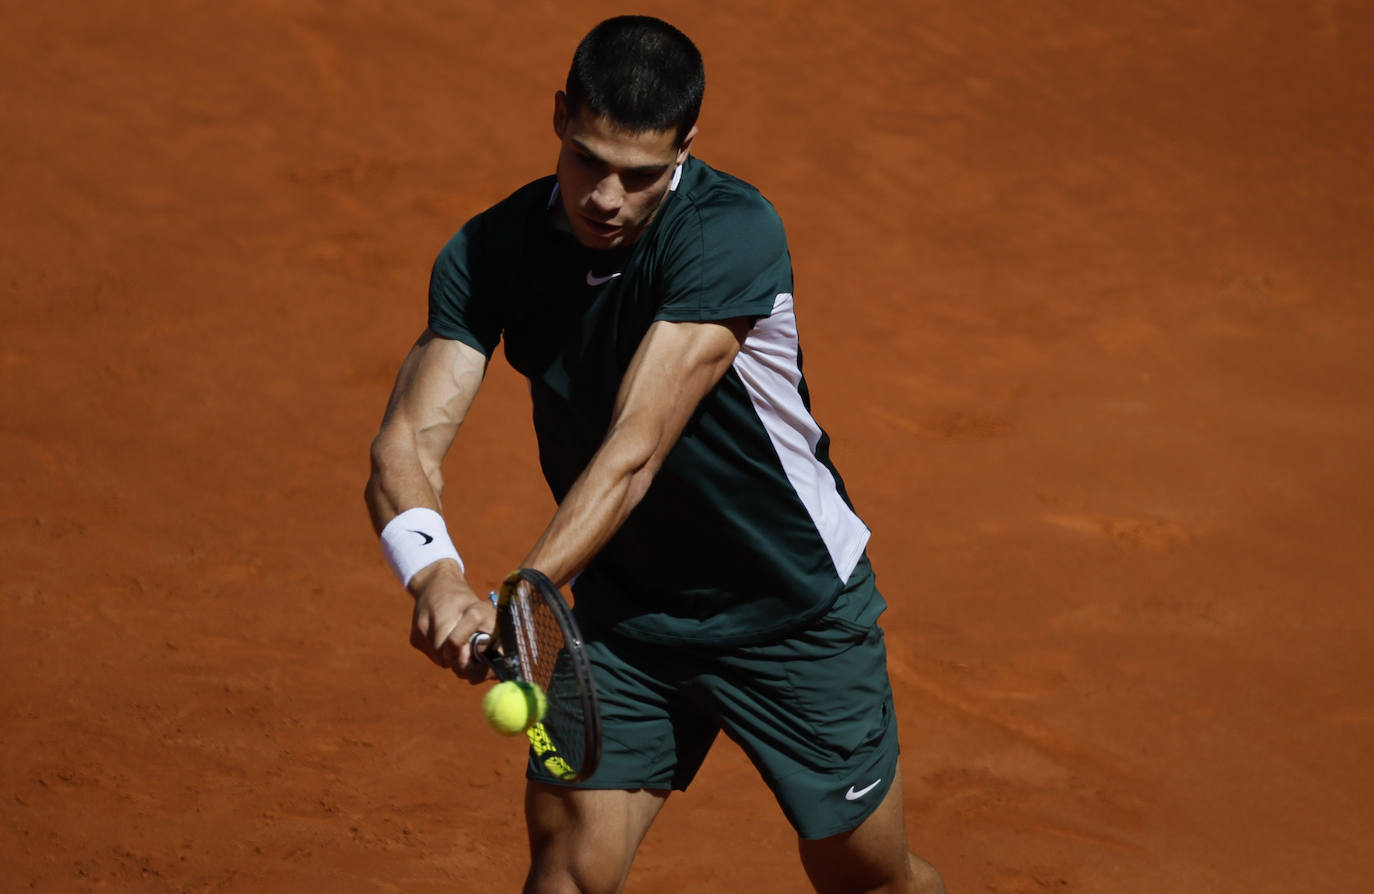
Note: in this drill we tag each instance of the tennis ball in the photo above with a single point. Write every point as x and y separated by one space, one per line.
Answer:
514 706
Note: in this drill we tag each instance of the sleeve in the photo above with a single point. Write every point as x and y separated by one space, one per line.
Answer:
726 259
462 297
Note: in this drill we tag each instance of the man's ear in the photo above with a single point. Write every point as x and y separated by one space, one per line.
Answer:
560 113
685 147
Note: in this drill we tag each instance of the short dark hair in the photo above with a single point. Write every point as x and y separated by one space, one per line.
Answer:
641 73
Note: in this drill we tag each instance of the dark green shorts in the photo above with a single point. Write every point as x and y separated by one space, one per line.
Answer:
812 711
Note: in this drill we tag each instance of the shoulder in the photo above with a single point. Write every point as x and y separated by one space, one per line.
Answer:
478 264
723 252
723 208
713 198
503 223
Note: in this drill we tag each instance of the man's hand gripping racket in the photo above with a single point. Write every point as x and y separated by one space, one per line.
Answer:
538 646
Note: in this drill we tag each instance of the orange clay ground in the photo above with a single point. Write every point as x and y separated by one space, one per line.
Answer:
1087 298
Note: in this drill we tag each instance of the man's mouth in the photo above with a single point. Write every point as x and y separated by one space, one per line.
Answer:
600 228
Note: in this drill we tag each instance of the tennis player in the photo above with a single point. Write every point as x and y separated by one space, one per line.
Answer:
717 565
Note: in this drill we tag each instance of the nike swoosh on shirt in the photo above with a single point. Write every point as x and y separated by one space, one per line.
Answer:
594 280
852 795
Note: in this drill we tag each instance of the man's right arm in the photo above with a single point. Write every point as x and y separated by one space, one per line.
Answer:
434 390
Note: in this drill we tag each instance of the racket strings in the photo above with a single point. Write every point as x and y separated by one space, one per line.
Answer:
546 662
538 638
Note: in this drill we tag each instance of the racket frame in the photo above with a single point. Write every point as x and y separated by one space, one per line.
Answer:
507 652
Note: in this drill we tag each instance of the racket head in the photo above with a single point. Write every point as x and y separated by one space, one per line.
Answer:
537 641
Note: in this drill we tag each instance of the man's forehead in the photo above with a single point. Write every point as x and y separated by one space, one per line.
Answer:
598 135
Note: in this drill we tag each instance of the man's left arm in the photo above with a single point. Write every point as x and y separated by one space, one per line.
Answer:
675 366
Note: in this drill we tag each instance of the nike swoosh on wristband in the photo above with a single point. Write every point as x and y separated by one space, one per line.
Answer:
594 280
428 539
852 795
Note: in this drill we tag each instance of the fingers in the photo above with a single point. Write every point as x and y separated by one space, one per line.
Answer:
467 661
470 665
442 626
473 668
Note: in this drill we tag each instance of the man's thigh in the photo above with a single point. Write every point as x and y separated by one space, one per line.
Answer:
871 857
814 713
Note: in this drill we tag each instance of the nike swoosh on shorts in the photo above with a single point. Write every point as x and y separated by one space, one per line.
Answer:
853 795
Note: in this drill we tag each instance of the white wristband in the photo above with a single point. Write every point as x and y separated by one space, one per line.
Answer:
416 539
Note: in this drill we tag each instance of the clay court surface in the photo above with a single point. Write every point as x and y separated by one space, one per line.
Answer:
1087 298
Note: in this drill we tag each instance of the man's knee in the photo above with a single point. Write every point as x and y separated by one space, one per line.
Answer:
910 876
583 841
924 877
557 875
575 859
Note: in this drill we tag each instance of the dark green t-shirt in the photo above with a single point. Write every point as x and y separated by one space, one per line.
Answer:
746 531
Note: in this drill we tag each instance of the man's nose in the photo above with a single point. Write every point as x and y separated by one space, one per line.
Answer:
608 195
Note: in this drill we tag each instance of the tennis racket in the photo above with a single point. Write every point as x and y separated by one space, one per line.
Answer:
537 642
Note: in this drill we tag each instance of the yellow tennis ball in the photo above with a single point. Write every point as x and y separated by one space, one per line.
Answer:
514 706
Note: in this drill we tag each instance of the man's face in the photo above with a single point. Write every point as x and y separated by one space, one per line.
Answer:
612 182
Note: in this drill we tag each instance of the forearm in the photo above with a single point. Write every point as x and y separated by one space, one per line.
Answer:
447 611
400 479
676 365
595 507
434 389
